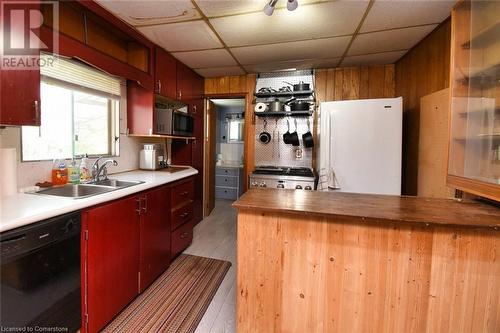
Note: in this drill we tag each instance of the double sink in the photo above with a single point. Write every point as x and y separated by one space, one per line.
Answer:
77 191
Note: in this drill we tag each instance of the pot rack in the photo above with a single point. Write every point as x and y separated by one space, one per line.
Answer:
275 80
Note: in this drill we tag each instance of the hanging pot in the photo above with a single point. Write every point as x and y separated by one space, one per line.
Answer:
294 136
264 136
307 138
286 136
301 86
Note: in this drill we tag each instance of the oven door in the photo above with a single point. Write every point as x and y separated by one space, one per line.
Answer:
182 123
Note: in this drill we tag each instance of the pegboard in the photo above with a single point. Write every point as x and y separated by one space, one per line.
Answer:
276 152
276 80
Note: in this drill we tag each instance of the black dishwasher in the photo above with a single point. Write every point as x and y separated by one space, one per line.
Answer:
40 276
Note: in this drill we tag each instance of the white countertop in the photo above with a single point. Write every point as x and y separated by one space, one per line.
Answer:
25 208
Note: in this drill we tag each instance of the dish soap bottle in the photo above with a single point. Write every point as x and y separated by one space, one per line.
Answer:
74 172
59 172
85 175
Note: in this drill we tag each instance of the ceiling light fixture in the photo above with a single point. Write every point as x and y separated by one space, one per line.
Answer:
292 5
269 8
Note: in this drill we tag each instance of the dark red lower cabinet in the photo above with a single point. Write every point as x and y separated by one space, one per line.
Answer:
111 260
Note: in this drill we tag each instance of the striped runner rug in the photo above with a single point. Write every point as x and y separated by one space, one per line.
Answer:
177 300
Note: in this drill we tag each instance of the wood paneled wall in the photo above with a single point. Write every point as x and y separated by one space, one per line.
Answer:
363 82
423 70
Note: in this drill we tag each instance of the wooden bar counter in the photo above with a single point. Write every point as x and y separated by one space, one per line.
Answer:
338 262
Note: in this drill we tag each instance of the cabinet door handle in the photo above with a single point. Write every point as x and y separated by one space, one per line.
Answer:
180 94
138 210
36 111
159 86
184 235
145 207
184 193
183 215
194 109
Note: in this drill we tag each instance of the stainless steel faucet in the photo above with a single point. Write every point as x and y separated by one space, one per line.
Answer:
97 170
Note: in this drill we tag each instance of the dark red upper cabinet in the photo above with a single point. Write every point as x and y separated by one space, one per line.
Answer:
165 73
20 88
185 79
155 234
20 97
140 102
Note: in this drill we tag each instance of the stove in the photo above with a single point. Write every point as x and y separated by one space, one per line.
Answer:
283 178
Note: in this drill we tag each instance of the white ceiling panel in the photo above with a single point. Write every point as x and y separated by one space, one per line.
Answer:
320 48
219 71
207 58
397 14
373 59
151 11
216 8
390 40
289 65
220 8
183 36
306 22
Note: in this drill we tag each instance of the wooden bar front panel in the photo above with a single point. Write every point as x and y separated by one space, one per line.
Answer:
313 274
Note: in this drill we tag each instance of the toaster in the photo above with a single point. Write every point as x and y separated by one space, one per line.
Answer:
152 157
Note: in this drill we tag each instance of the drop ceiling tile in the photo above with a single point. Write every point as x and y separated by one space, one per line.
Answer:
320 48
213 8
289 65
207 58
183 36
373 59
220 8
220 71
397 14
306 22
390 40
151 12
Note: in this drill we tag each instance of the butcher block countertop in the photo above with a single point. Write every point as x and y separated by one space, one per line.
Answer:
376 208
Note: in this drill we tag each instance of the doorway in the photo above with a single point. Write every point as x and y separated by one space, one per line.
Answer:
224 152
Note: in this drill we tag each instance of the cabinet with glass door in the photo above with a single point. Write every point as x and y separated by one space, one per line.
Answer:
474 151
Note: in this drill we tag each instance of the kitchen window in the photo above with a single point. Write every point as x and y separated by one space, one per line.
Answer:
80 109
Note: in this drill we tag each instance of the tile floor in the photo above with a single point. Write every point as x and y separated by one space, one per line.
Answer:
215 237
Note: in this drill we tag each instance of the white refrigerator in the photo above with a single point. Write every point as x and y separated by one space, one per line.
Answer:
360 146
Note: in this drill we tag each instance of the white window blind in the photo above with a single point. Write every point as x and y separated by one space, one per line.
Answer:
80 75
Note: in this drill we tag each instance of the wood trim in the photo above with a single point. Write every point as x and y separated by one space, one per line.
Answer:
476 187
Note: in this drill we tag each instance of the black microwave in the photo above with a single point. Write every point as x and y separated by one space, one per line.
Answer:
170 121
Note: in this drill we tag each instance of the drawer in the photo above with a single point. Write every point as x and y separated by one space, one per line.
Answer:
182 193
227 171
226 193
181 238
226 181
181 215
